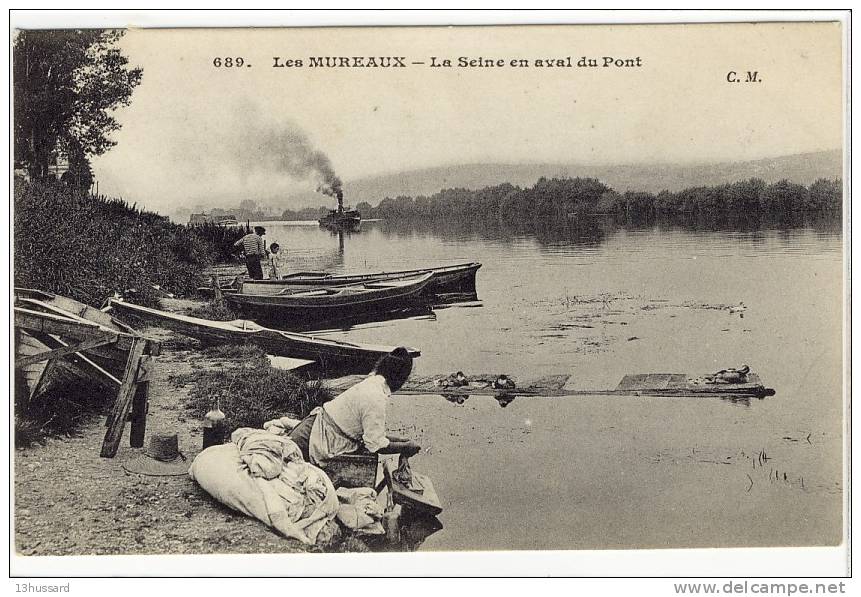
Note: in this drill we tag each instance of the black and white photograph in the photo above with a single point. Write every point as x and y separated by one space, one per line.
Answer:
497 288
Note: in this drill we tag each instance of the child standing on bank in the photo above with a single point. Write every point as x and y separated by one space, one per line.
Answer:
276 263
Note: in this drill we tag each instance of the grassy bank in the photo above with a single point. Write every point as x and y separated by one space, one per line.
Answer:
87 247
249 390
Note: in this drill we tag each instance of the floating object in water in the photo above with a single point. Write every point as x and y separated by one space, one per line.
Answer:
456 398
455 380
503 382
635 384
738 309
730 376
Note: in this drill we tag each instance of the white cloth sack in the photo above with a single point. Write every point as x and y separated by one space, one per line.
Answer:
298 503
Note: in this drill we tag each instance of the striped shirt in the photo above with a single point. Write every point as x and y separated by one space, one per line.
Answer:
252 244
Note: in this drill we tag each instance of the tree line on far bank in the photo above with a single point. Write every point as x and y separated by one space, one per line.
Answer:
570 198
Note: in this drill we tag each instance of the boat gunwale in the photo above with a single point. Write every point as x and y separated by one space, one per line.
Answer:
260 331
313 277
336 299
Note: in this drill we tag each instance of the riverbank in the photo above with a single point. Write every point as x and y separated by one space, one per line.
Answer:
96 507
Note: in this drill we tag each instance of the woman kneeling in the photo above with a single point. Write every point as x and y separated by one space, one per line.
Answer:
355 420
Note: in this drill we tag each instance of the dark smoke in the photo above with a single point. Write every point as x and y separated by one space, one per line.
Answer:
287 150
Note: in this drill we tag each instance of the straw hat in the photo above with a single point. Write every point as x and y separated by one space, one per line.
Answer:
161 458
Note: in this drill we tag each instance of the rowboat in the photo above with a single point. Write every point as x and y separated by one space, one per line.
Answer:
104 363
67 307
448 279
58 339
299 306
329 354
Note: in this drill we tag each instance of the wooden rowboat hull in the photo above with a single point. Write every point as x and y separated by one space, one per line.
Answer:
332 304
450 279
104 364
329 354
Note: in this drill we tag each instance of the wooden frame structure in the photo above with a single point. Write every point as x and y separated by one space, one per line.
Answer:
58 331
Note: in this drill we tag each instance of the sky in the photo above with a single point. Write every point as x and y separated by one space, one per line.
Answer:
196 134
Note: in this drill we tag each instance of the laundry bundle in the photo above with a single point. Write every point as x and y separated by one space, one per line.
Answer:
264 476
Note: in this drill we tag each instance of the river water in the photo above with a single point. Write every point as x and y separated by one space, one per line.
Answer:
597 302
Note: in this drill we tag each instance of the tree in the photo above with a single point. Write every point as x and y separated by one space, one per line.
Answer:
825 195
66 84
783 197
248 205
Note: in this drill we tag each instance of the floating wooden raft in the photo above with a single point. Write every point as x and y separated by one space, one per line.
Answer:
679 384
637 384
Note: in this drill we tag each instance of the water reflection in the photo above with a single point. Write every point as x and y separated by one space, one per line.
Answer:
504 398
456 398
419 310
583 232
413 530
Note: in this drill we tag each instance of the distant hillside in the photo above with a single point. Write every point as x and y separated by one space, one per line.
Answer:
800 168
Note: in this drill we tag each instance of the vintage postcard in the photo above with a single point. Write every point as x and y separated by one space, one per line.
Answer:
495 289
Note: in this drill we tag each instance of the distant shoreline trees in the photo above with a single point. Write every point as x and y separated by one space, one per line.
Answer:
570 199
558 199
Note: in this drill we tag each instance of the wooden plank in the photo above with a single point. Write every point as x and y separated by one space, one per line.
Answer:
25 344
65 327
69 307
139 411
105 338
146 369
352 470
84 364
140 402
288 363
57 310
120 412
84 314
45 377
37 321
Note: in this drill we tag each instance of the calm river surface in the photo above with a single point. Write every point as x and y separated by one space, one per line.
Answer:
611 472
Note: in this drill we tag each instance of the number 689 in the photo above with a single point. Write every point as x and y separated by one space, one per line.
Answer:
228 62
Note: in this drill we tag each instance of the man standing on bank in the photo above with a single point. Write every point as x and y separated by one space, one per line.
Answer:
255 251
